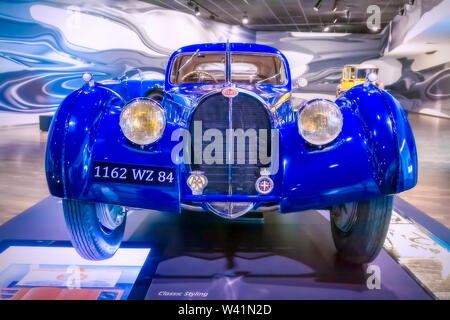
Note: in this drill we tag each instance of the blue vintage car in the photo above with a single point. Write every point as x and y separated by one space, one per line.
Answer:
222 134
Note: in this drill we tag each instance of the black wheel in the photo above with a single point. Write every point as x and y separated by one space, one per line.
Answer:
95 229
155 94
359 228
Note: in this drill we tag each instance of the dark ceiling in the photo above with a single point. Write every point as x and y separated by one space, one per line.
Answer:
290 15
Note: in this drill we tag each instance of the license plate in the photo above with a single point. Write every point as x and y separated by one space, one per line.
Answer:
124 173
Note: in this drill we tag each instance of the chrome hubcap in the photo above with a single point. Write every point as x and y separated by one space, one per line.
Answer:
344 215
110 216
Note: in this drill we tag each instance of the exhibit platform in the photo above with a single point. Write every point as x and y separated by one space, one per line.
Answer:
198 256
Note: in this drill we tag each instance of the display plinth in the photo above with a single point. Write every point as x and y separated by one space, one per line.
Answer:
199 256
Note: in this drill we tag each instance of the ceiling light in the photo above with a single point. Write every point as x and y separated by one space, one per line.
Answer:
326 29
197 11
335 20
317 6
335 6
245 18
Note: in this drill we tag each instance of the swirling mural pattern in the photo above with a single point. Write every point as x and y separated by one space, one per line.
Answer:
45 46
318 61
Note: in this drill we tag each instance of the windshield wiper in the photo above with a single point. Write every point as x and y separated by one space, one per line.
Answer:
258 82
189 60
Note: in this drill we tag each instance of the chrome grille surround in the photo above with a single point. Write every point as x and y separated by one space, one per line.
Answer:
245 111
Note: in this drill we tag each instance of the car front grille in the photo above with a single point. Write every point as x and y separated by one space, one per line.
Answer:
241 112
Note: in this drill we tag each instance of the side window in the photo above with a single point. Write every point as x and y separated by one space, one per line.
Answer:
282 71
352 73
361 73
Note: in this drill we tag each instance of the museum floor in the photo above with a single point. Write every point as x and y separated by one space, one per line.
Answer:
22 173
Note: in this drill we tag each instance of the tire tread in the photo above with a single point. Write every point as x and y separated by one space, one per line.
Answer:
362 243
86 240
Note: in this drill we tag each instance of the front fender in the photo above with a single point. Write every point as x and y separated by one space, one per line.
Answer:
55 142
86 129
71 138
389 137
374 155
407 168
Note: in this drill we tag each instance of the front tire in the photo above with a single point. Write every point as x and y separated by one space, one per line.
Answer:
95 229
359 228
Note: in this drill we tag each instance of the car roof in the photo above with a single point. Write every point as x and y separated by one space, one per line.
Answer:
233 46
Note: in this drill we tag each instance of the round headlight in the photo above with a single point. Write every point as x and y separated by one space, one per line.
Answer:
142 121
319 121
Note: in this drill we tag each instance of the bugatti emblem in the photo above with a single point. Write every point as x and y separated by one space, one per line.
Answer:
264 185
197 181
230 92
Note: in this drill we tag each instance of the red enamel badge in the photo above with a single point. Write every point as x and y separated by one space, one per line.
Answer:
230 92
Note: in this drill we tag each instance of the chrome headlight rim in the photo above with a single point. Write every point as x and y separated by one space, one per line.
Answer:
154 103
308 103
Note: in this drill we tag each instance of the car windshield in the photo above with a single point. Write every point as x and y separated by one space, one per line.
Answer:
363 73
198 67
257 68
